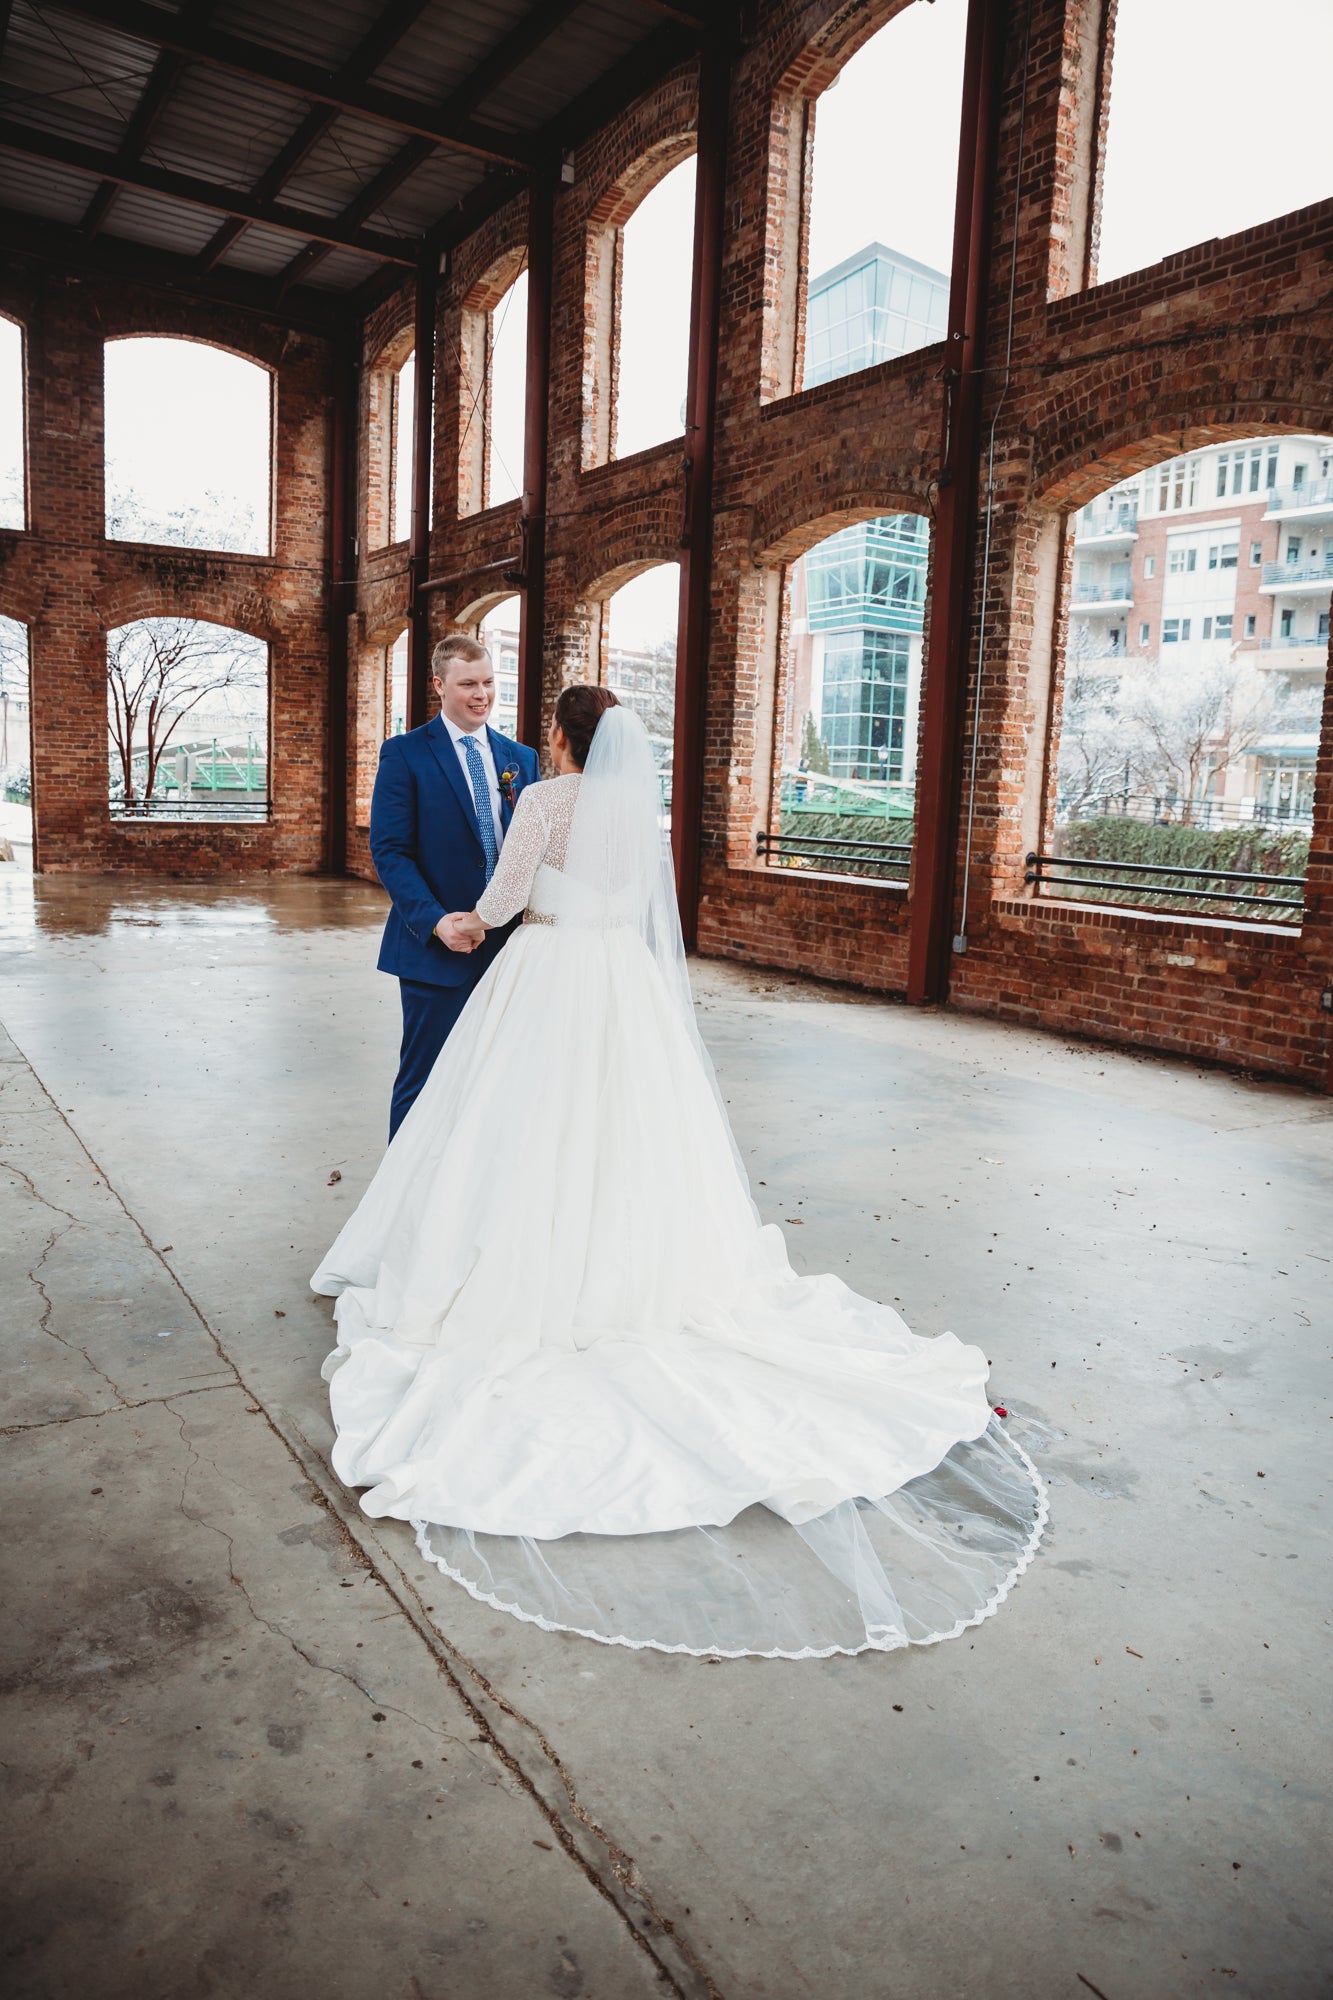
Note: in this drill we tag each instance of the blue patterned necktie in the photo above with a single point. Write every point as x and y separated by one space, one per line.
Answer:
481 796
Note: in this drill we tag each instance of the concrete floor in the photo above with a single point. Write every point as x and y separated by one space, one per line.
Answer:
1117 1786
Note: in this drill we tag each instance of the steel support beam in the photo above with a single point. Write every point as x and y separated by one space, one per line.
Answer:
216 49
319 121
33 144
536 416
342 592
946 671
70 251
423 435
515 48
147 111
696 565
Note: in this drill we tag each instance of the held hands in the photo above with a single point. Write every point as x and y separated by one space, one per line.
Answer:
462 931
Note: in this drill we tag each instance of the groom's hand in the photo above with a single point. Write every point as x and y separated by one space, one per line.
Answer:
459 931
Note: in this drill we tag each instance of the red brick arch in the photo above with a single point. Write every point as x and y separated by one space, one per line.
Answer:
1117 425
237 605
797 540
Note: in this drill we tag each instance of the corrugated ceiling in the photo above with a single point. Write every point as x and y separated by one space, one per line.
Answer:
77 87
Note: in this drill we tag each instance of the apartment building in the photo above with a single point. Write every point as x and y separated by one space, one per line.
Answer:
1224 555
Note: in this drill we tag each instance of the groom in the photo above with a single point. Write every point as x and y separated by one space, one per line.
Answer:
444 796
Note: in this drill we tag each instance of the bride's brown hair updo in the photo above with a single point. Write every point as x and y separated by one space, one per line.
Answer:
578 711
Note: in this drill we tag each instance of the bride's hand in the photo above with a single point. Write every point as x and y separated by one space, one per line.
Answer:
462 930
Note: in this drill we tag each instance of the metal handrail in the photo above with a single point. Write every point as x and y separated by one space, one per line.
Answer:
1040 865
829 847
237 805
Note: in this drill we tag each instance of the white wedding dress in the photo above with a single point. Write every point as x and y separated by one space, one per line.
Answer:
570 1354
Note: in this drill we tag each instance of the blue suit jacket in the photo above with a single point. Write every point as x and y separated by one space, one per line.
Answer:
427 849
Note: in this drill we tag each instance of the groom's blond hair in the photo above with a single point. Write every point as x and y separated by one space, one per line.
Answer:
455 646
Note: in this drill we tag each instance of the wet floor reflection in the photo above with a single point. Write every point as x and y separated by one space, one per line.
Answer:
92 906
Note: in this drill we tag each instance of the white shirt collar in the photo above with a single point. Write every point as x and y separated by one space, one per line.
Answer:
458 734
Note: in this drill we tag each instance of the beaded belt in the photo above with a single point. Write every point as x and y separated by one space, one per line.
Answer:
613 924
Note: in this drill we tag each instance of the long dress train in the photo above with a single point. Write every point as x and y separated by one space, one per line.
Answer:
570 1354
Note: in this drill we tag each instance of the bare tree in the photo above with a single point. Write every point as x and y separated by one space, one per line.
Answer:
1184 724
11 496
1093 761
158 669
213 521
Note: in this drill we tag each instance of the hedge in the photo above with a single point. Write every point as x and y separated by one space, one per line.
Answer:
848 826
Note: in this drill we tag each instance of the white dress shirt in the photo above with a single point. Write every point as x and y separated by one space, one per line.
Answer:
483 743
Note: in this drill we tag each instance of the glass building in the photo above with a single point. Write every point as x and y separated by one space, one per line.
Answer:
865 587
865 600
868 308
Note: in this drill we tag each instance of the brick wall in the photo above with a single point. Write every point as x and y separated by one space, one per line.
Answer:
70 586
1222 341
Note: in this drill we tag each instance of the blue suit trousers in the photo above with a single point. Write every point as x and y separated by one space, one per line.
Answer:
429 1013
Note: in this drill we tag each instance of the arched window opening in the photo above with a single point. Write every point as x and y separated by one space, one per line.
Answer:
849 701
189 454
881 198
1193 684
404 408
652 332
187 705
493 391
1157 196
13 508
508 390
498 633
639 659
15 741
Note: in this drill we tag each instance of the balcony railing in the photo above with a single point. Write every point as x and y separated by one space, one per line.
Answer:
1315 493
1285 641
890 859
1318 571
1098 523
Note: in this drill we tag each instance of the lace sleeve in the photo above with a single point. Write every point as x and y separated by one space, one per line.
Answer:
521 856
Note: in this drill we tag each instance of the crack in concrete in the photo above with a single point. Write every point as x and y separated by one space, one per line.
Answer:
269 1625
30 1184
621 1866
445 1654
48 1307
96 1416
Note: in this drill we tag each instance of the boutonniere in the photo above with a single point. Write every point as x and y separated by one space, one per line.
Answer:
507 781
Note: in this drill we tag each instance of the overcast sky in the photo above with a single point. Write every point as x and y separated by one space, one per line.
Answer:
1208 133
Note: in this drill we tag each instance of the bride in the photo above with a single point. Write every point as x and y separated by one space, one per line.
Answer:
569 1352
